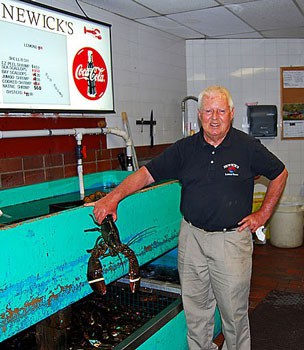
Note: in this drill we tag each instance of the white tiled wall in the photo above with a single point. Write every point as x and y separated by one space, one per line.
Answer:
154 70
149 72
250 69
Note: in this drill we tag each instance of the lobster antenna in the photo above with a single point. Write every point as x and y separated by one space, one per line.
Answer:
132 240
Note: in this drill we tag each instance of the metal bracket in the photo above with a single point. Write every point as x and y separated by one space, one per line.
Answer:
150 122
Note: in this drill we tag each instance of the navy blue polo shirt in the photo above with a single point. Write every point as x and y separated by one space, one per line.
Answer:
217 182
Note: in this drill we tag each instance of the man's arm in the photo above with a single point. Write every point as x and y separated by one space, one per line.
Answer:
108 204
272 196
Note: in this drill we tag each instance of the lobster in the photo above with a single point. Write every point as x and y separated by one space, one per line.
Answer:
109 244
94 197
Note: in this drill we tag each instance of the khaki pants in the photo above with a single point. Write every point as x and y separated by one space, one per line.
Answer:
215 268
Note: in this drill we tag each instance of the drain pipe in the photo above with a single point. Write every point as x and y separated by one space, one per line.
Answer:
78 134
79 156
113 131
183 108
128 141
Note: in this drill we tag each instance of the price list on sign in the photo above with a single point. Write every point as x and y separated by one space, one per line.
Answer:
19 77
53 61
36 77
31 74
16 79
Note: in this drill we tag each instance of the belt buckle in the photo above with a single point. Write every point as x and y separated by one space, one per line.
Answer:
229 229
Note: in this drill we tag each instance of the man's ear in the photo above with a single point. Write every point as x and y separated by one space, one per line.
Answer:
199 114
232 114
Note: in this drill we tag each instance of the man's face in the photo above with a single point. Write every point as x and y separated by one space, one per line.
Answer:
216 117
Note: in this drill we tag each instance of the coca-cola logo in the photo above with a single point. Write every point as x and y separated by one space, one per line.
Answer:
90 73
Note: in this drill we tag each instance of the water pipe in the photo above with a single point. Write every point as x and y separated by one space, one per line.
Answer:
79 156
183 108
78 134
128 141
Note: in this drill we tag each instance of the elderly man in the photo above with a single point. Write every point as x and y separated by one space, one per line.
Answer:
216 168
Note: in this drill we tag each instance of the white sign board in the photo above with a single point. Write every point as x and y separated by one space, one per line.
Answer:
53 61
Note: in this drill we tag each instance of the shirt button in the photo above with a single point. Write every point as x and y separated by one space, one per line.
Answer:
213 152
212 162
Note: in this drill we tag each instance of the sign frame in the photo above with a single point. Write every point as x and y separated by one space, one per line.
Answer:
56 61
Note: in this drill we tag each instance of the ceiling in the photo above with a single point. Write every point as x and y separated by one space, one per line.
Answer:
213 19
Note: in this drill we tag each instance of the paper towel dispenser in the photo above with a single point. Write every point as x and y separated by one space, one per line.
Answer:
262 120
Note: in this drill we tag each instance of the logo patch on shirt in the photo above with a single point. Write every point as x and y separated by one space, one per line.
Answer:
231 169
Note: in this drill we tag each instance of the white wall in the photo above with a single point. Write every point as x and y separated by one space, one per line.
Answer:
250 69
149 72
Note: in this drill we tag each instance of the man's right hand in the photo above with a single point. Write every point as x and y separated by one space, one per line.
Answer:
103 207
108 204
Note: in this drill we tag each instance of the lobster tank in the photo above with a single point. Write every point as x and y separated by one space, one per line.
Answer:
44 254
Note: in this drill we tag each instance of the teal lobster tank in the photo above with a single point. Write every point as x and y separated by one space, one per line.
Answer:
44 257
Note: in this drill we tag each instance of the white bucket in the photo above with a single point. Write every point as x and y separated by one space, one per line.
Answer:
286 224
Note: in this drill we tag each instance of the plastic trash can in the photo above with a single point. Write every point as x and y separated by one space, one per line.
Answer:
286 224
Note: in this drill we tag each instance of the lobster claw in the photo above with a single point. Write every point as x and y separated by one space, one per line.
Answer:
109 241
95 276
134 284
134 272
